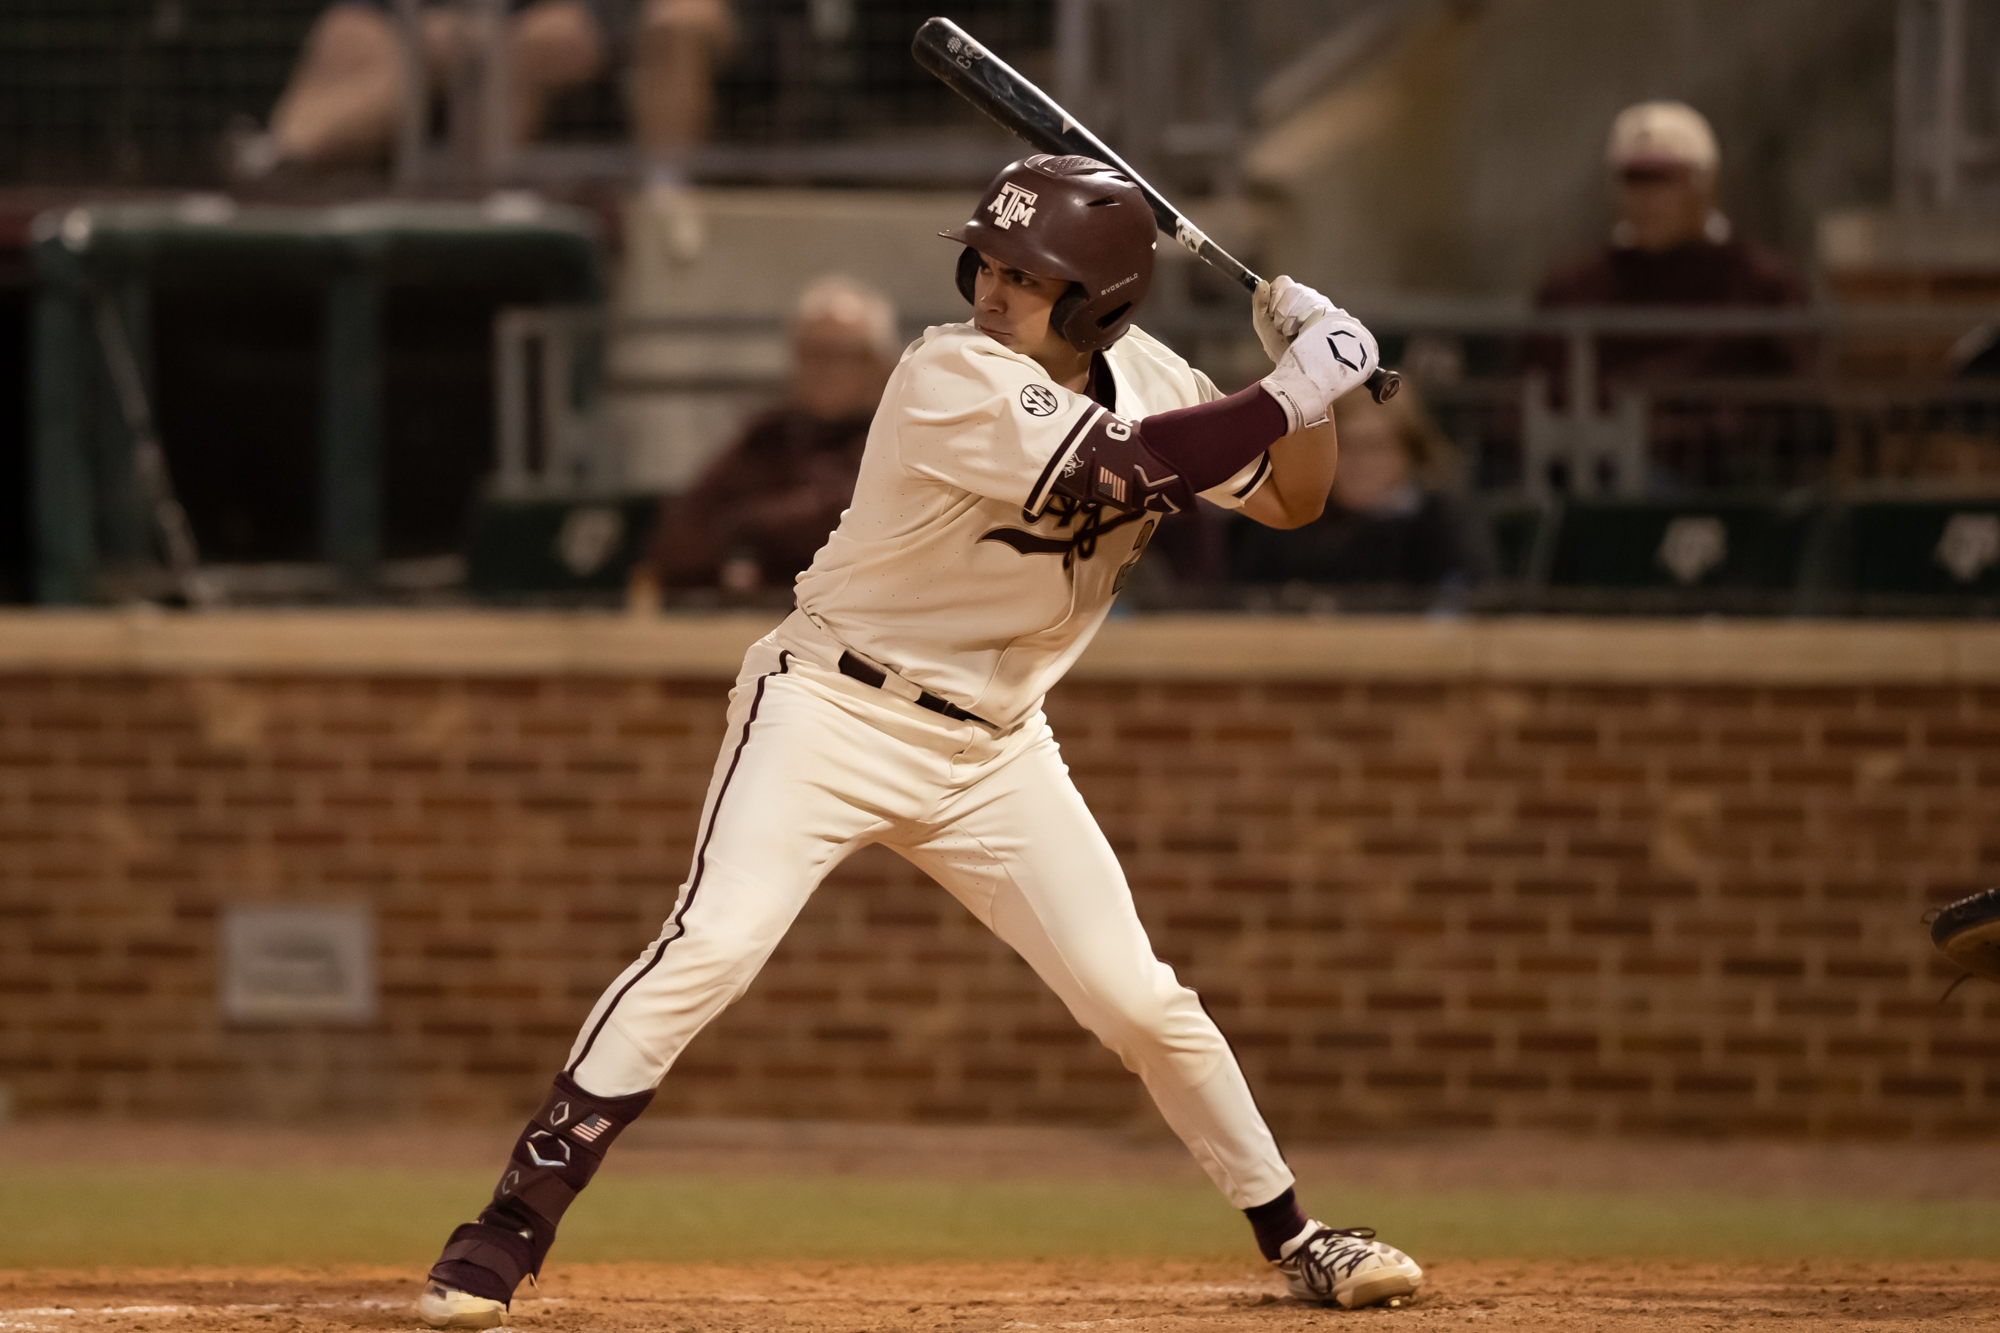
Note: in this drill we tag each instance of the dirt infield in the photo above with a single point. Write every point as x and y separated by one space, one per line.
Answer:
660 1298
1872 1288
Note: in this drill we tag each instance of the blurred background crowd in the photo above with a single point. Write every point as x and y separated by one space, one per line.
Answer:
590 301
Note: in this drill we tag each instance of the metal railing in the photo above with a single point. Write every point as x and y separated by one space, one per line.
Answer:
1947 132
1518 391
1813 516
1522 394
551 439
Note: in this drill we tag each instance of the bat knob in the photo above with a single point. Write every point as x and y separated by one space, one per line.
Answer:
1383 384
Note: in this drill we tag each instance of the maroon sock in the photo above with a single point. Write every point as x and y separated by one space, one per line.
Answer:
555 1157
1276 1222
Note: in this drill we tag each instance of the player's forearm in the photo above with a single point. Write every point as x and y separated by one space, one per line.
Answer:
1302 468
1212 442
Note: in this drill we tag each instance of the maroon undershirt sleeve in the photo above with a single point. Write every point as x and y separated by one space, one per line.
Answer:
1210 443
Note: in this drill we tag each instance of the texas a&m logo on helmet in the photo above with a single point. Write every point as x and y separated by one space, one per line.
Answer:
1013 204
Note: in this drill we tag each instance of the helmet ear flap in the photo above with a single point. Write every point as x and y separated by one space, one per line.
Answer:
968 272
1067 315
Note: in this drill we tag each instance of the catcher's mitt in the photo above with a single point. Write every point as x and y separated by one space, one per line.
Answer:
1968 933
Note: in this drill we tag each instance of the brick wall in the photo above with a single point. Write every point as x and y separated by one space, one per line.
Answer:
1448 902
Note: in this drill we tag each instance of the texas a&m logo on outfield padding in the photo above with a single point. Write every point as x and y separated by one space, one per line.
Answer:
1013 204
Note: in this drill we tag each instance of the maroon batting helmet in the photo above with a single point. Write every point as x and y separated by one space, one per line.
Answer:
1074 218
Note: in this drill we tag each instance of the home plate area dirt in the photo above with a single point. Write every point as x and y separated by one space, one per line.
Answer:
665 1298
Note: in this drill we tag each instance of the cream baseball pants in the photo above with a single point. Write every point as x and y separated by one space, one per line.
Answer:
815 765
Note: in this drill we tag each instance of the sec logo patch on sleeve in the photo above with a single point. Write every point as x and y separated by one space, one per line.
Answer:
1039 400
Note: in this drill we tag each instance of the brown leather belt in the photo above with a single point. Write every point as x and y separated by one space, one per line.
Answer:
854 667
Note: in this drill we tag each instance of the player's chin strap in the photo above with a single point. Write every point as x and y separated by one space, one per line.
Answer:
553 1160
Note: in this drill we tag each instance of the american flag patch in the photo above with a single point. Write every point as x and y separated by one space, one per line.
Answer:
1111 484
590 1128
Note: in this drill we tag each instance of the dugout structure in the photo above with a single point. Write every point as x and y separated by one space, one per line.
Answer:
321 378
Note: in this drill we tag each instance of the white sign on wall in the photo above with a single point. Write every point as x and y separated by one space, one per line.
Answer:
285 964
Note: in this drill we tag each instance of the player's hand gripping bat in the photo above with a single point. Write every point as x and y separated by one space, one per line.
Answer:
1015 104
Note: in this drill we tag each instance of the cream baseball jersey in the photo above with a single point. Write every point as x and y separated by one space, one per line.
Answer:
958 565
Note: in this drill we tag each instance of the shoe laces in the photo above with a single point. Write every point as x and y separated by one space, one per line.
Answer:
1335 1252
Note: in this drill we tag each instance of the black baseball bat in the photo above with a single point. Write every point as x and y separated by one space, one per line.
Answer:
1018 106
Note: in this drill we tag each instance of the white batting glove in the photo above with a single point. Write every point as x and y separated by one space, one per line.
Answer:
1331 355
1280 308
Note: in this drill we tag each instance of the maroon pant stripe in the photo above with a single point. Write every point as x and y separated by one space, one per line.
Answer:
678 929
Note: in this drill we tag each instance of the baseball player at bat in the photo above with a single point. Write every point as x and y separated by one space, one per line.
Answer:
1014 471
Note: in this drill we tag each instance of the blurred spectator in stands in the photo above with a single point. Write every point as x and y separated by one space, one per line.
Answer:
766 504
346 94
1396 518
1671 246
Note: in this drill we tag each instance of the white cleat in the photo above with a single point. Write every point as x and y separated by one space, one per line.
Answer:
441 1307
1347 1267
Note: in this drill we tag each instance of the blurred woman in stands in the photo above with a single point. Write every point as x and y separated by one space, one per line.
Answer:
766 504
1396 523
